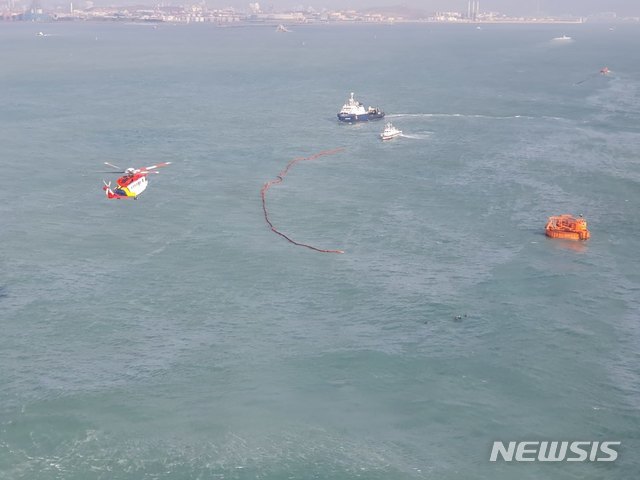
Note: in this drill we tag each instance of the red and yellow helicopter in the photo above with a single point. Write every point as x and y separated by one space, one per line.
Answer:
132 183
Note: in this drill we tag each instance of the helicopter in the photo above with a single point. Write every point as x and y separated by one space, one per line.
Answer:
132 183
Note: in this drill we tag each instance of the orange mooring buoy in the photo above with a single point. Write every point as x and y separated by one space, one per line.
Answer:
567 227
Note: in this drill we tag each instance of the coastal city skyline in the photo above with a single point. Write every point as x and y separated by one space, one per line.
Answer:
509 7
512 7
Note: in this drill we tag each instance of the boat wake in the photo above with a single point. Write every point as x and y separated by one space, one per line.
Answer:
464 115
417 136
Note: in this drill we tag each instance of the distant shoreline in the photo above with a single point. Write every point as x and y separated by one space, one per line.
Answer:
274 24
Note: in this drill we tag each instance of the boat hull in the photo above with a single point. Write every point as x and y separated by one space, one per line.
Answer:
364 117
389 137
567 235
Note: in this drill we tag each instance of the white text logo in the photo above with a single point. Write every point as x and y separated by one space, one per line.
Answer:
554 451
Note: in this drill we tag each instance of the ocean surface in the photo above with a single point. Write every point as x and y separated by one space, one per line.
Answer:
177 337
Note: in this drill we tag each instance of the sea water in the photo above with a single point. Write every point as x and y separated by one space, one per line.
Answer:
177 337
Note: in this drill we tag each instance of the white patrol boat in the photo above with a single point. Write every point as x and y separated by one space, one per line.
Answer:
390 132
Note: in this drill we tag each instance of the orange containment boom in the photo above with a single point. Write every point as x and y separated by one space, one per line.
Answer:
568 227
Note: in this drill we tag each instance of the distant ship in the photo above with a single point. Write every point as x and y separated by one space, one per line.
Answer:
563 37
354 111
281 28
390 132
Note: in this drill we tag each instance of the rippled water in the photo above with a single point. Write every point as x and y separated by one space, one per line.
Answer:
176 337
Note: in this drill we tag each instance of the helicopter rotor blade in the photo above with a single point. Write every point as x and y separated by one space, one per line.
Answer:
164 164
114 166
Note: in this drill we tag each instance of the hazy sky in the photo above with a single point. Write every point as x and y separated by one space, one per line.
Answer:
530 7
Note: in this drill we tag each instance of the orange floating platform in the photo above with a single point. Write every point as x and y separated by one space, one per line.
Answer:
567 227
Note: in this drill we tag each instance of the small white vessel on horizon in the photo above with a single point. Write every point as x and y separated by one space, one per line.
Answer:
563 37
282 29
390 132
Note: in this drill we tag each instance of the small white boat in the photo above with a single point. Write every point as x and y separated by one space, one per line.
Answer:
282 29
563 37
390 132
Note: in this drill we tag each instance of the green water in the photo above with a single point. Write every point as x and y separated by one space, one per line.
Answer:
177 337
